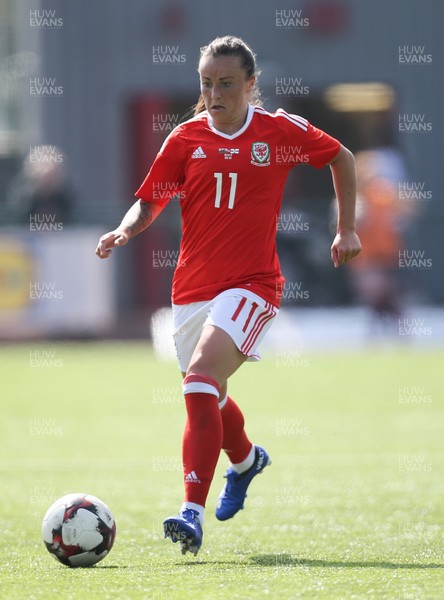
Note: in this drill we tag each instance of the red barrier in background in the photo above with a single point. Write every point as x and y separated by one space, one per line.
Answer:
151 286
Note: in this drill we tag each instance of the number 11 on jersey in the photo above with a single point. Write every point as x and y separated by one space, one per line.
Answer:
233 177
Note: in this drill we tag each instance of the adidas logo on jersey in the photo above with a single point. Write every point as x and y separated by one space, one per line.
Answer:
192 478
199 153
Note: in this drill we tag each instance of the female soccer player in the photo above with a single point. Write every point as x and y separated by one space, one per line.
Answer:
228 164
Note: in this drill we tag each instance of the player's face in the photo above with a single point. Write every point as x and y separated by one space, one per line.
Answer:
225 89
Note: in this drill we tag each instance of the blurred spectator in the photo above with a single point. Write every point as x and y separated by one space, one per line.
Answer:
41 188
382 221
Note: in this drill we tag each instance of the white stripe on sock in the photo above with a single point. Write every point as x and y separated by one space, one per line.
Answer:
247 463
199 386
223 402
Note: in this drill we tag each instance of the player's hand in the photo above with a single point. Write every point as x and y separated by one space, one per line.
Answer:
345 247
107 242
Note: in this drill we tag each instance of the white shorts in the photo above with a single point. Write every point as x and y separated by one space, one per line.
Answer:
245 316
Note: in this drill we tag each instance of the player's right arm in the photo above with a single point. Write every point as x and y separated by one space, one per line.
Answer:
162 182
137 219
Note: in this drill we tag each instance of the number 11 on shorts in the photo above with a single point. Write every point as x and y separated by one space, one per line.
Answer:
233 177
235 315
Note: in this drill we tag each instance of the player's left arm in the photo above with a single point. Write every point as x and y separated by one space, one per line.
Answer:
346 244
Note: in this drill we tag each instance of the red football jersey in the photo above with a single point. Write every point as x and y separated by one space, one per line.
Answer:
230 190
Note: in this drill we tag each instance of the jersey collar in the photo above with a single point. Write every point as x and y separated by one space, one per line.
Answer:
250 114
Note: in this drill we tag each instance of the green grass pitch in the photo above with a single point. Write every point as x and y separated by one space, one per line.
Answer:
352 506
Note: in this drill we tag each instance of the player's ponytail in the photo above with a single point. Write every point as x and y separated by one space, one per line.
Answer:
232 46
200 106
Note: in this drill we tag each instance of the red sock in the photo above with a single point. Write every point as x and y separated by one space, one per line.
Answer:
235 441
202 439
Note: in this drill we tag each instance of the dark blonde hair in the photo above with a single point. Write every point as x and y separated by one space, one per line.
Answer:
232 46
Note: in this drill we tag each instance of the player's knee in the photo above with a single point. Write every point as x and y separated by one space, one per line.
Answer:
204 368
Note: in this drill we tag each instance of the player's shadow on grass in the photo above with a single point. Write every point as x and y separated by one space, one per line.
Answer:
287 560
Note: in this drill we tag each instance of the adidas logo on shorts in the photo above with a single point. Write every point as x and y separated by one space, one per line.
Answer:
199 153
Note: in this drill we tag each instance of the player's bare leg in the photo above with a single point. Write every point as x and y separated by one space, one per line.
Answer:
216 355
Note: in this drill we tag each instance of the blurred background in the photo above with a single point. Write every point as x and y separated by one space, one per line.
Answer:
90 89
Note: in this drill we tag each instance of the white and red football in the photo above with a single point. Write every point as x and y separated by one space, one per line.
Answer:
79 530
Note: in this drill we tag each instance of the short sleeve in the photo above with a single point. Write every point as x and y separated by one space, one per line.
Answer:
166 175
314 146
320 147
